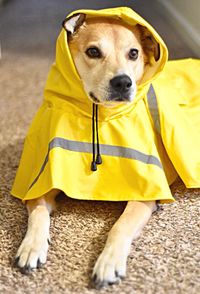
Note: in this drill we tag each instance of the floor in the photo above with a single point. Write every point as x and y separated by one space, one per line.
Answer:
165 260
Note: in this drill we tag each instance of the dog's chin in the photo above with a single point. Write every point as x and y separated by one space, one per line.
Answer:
112 100
119 99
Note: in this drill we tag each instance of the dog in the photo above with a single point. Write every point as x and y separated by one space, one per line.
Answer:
115 55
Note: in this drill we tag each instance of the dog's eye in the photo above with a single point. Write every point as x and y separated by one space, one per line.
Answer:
133 54
93 52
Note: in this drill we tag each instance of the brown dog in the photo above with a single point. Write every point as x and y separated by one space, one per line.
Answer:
106 48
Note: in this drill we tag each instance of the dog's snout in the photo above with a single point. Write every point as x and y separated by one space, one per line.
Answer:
121 83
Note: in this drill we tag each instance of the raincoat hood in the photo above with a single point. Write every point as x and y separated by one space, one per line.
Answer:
144 145
64 81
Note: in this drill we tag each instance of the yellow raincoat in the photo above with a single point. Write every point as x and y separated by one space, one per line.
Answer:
144 145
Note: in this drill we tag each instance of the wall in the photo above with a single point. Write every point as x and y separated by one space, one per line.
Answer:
185 16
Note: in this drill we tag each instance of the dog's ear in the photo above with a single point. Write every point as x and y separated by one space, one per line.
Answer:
149 44
73 23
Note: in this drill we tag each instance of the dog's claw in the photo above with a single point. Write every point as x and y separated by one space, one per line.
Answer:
15 263
122 277
98 284
26 270
94 277
101 284
39 264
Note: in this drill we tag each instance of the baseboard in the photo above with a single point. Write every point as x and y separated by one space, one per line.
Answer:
184 28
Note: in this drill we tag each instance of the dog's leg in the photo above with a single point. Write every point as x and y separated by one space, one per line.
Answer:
111 264
32 252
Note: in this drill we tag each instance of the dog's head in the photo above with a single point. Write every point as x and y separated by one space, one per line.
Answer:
110 56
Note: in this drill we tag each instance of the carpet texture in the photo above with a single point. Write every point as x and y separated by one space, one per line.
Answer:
164 260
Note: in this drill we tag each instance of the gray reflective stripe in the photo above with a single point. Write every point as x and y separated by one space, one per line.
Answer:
153 107
109 150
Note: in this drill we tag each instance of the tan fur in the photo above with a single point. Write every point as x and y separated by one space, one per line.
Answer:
114 39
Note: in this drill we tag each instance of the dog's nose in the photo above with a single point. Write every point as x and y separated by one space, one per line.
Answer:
121 83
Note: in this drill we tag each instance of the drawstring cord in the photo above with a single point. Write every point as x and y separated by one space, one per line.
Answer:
93 164
98 159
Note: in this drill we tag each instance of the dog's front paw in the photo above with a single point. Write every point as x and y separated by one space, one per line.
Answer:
110 267
32 253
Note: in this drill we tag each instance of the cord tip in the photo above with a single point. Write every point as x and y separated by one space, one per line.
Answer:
98 159
93 166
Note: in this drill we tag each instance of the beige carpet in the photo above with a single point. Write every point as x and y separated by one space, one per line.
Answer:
166 258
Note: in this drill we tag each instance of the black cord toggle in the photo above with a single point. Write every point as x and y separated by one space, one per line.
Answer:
98 159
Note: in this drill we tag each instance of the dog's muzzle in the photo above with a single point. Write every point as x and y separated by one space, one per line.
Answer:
120 88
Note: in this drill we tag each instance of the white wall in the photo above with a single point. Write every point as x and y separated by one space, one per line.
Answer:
185 16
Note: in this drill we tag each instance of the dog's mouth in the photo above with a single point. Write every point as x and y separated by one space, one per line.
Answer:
112 98
117 97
